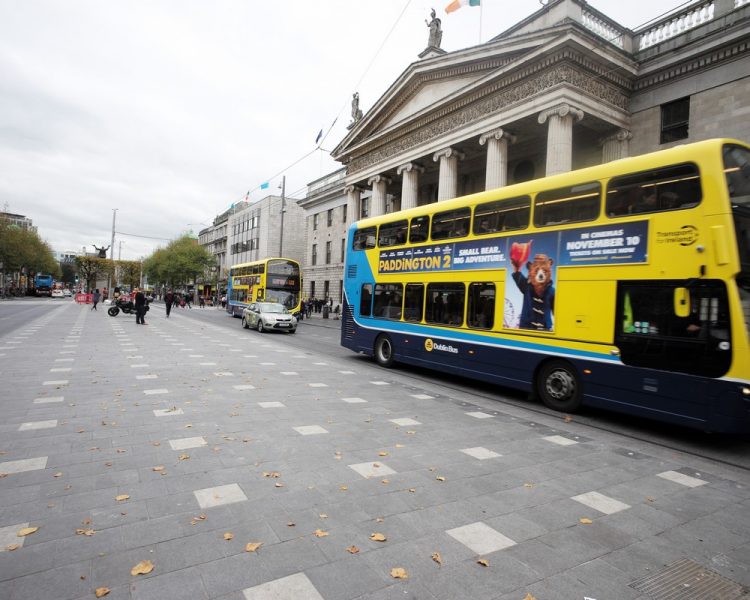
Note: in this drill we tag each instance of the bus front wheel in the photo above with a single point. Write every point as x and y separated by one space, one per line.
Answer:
384 351
559 386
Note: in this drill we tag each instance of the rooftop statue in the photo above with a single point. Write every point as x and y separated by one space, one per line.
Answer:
436 32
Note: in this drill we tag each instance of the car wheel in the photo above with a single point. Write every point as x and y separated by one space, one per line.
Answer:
384 351
245 324
292 331
559 386
261 328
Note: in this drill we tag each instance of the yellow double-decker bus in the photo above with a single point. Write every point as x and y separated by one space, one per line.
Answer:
624 286
268 280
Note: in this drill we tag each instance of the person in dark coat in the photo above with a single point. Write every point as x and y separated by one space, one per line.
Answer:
140 307
168 301
95 298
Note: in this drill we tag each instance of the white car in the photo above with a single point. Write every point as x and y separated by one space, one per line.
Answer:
57 294
67 293
269 316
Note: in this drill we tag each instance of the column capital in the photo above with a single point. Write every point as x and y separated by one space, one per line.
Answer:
561 110
448 153
497 134
378 179
350 189
409 167
621 135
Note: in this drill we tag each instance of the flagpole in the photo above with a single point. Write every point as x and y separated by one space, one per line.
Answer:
481 8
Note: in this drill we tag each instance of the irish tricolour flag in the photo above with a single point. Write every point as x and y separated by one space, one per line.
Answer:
456 4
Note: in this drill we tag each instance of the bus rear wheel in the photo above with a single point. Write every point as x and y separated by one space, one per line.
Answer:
384 351
559 386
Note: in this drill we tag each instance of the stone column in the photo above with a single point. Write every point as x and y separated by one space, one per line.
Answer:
616 145
410 184
377 202
497 157
560 136
448 180
353 206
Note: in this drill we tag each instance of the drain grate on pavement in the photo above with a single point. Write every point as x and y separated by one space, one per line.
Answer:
687 580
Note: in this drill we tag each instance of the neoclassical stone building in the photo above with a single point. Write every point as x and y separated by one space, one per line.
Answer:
563 89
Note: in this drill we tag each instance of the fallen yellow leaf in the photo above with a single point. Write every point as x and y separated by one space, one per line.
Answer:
278 484
568 418
585 521
86 521
252 546
323 516
382 453
412 490
11 547
320 533
437 558
377 537
352 550
385 482
399 573
484 562
158 469
183 456
156 443
343 488
57 475
440 478
291 524
122 497
529 597
142 568
228 536
400 446
528 485
87 532
26 531
101 592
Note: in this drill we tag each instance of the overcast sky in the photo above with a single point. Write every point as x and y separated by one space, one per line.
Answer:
171 110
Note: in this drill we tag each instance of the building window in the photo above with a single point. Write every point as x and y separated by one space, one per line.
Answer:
365 208
343 249
343 212
312 289
314 258
329 217
328 253
326 289
315 222
341 290
675 117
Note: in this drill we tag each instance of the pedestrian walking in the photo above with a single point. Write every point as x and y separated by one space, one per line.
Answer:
140 307
189 301
169 300
95 298
201 302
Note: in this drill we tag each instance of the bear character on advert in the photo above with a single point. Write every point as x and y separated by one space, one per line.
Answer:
538 292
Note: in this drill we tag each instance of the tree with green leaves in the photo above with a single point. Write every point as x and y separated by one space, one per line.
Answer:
181 262
23 249
91 268
129 272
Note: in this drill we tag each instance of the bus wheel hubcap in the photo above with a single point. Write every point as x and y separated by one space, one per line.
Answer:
560 385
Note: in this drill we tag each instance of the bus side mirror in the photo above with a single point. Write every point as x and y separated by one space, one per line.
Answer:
681 302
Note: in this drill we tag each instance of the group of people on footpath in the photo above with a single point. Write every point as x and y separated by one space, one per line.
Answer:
316 305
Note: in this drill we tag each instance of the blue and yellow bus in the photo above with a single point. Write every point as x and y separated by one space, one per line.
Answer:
268 280
624 286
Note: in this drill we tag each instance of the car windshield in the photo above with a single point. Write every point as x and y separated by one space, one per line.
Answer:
271 307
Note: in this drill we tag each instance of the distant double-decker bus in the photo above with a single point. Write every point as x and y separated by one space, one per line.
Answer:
268 280
624 286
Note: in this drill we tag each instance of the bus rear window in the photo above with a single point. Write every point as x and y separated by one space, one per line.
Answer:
364 239
502 215
568 205
451 224
669 188
392 234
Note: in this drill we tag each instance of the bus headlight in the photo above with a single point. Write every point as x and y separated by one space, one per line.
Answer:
746 391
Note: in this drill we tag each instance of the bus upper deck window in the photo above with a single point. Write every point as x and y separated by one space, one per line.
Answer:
364 239
392 234
419 229
572 204
451 224
502 215
676 187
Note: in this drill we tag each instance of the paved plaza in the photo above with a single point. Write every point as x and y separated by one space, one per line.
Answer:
230 464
